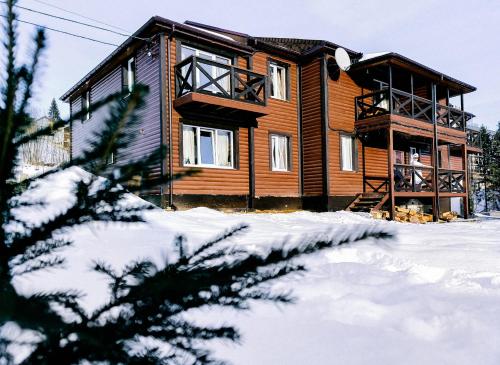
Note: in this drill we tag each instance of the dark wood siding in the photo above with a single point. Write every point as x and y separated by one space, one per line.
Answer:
145 138
82 131
311 129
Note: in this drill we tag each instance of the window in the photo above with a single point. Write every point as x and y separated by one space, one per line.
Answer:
280 152
86 106
207 147
201 79
348 152
128 75
277 76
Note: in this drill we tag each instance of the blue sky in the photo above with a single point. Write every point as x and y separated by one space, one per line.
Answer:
459 38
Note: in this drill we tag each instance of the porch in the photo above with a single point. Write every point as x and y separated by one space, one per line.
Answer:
438 175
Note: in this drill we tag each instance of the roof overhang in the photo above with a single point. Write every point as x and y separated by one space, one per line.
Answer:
154 26
396 59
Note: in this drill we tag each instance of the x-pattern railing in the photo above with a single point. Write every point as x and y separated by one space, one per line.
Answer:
372 105
408 105
195 74
376 184
409 178
473 138
451 181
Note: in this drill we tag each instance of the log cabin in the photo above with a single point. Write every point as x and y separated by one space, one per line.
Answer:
275 123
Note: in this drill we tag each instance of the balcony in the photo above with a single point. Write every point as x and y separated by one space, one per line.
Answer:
451 181
408 105
474 143
416 179
412 180
211 86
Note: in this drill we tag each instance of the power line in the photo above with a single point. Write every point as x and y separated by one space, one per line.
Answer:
63 32
76 22
80 15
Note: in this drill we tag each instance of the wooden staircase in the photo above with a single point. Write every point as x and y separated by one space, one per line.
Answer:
366 202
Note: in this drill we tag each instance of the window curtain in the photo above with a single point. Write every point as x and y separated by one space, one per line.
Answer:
280 83
223 149
347 153
188 141
280 152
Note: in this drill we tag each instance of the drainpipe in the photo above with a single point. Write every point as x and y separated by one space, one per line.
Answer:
170 146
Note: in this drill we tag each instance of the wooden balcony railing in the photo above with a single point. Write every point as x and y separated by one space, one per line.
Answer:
375 184
451 181
409 105
474 138
409 178
200 75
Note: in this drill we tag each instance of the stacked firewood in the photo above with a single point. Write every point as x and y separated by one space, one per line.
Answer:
403 215
448 216
409 215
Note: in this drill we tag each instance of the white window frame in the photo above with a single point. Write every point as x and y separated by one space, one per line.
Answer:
353 166
214 131
275 137
274 80
213 57
86 105
131 74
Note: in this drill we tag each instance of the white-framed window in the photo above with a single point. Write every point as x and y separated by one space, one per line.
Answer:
348 152
86 105
277 76
280 152
207 147
212 70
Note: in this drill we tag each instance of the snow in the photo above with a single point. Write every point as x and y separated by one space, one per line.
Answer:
220 35
369 56
429 296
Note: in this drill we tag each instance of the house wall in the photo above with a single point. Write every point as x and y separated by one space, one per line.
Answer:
282 118
145 136
341 118
209 181
312 129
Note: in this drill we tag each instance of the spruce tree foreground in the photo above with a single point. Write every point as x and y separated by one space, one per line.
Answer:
142 321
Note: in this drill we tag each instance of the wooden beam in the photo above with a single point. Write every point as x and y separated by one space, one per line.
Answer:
390 168
466 180
436 207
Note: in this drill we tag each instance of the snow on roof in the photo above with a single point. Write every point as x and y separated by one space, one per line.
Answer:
210 32
369 56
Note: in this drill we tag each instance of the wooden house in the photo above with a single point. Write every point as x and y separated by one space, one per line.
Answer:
273 123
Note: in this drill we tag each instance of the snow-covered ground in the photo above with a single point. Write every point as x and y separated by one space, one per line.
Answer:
430 296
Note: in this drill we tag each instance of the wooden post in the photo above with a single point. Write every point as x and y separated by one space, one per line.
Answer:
390 90
435 144
466 180
364 165
412 96
390 168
